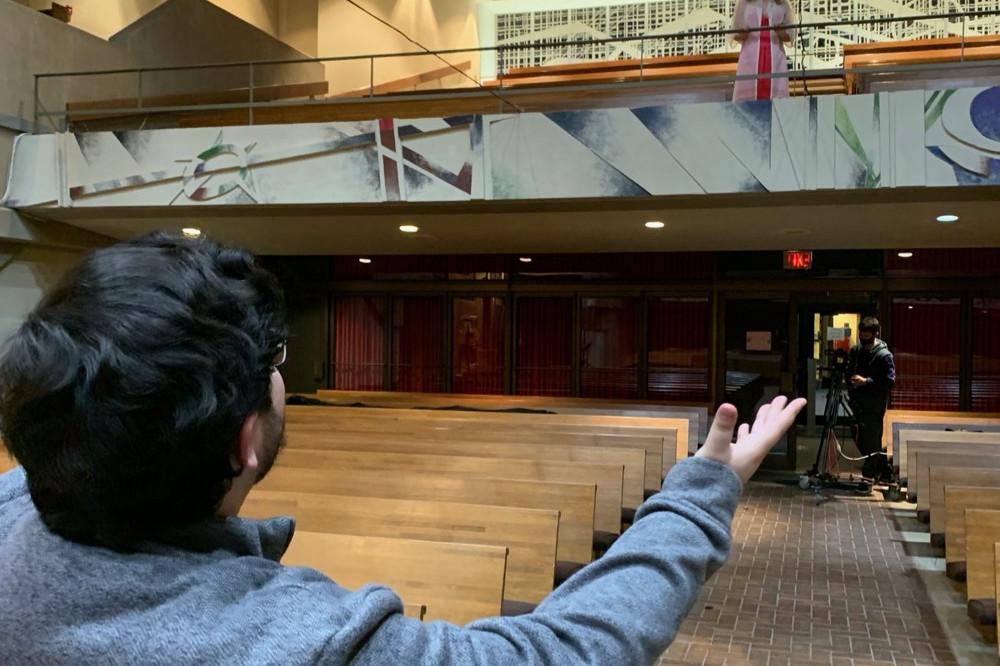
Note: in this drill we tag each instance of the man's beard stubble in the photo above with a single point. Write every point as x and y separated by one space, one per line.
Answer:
273 425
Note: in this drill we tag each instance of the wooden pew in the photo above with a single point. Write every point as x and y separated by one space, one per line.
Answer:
530 535
674 431
633 460
996 573
982 532
696 413
464 433
413 82
927 460
6 462
648 69
916 51
573 501
956 500
416 611
928 441
458 582
940 477
897 419
607 478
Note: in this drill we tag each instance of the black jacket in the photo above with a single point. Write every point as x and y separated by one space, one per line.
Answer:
878 366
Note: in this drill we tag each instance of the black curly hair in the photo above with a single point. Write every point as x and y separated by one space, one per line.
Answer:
123 393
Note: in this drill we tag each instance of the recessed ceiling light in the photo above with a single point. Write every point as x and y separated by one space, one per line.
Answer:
365 260
947 218
904 255
409 228
191 232
909 307
525 260
654 224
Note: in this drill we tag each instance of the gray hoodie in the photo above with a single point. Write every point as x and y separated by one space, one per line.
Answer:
215 593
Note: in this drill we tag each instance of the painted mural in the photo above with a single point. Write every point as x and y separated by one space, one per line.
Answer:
939 138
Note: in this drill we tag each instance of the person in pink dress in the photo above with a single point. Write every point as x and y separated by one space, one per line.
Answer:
762 51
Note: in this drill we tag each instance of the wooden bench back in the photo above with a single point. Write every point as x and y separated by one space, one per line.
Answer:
6 462
696 413
633 460
940 477
607 478
897 419
913 441
457 582
573 501
926 455
672 430
530 535
956 500
982 533
443 434
914 51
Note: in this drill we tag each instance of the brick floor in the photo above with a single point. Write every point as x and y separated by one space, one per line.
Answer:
813 584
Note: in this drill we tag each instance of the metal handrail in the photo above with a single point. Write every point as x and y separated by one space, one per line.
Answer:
254 65
922 18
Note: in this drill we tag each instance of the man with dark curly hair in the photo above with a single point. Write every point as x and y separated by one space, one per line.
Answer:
142 400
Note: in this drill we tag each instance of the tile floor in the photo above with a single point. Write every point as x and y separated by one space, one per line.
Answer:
852 581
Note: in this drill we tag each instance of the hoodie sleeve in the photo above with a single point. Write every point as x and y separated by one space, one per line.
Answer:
623 609
885 379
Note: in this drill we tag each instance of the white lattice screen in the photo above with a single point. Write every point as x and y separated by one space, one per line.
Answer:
547 34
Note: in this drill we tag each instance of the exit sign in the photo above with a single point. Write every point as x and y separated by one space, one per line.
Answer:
798 260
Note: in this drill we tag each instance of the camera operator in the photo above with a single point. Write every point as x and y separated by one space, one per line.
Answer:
872 374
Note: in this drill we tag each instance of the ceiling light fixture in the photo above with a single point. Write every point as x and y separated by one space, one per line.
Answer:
525 260
654 224
904 255
365 260
409 228
947 218
191 232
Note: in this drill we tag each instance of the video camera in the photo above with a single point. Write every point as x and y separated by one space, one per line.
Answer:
837 370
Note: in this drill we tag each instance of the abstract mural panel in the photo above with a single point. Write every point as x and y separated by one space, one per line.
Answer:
940 138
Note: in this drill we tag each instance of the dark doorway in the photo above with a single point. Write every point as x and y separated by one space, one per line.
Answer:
757 345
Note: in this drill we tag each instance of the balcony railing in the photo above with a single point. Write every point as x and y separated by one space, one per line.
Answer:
267 90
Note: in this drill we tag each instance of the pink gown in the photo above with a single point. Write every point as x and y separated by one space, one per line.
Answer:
762 52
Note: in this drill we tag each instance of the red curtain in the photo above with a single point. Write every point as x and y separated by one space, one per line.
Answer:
986 355
359 327
609 353
926 342
417 335
478 345
678 334
544 346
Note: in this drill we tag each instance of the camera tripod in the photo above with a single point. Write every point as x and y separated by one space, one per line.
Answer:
828 477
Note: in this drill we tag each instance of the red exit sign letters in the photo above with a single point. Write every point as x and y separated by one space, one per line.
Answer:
798 260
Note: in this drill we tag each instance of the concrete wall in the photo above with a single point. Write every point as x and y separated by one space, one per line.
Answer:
297 25
104 18
184 32
28 39
436 24
26 273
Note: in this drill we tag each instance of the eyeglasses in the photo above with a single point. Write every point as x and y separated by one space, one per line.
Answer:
280 356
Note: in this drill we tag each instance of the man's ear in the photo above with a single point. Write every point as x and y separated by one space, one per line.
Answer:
245 455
